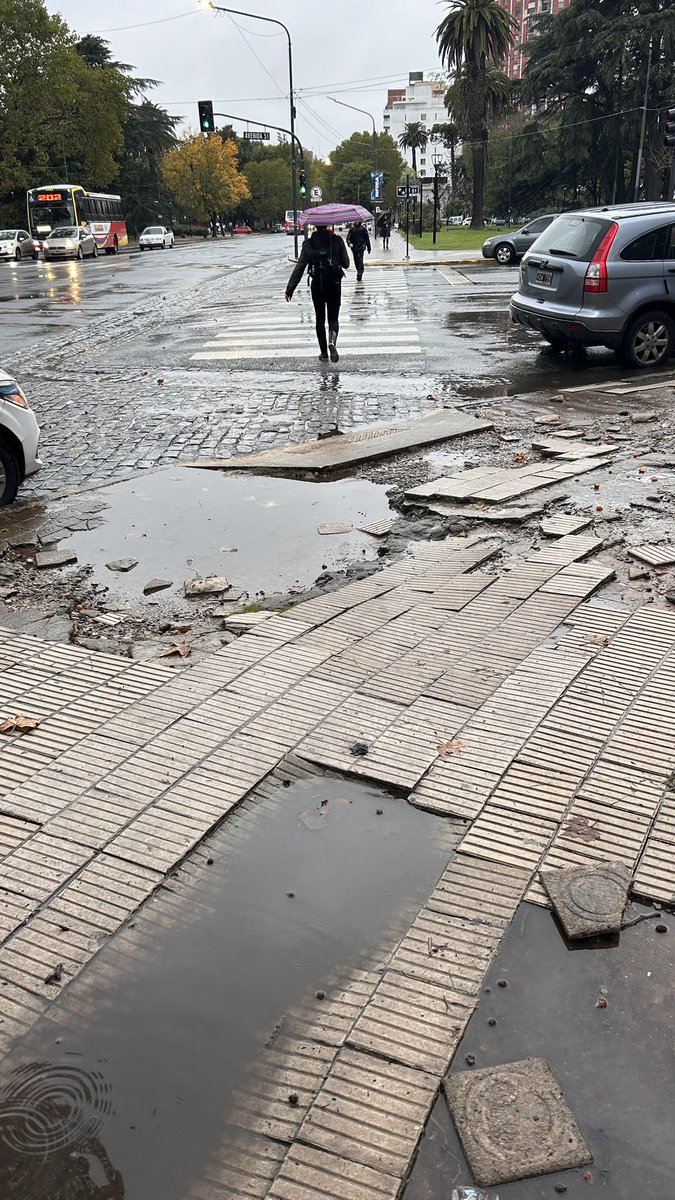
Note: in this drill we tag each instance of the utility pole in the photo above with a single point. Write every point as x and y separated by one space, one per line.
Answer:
438 161
670 141
407 216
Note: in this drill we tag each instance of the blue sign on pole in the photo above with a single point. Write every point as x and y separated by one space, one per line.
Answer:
377 185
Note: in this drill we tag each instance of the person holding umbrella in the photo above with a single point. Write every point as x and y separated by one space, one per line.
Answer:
324 255
359 240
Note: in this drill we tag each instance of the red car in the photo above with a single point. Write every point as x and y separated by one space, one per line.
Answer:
243 229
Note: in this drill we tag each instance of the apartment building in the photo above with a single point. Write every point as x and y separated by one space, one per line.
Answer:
421 101
524 13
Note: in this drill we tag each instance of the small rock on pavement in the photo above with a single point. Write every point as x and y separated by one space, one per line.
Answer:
122 564
156 585
208 585
638 573
641 418
335 527
55 558
547 420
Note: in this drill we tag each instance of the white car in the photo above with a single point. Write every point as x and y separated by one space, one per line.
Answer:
156 237
16 244
19 439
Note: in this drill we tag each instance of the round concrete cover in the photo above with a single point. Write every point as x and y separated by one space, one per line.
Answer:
589 900
514 1122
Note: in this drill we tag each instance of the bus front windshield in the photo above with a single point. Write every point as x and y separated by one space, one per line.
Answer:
45 217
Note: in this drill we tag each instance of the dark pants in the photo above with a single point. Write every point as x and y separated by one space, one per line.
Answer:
326 298
358 252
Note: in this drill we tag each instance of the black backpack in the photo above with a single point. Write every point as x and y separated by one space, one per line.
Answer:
323 265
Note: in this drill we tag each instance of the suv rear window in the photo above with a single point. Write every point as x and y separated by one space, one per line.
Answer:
572 236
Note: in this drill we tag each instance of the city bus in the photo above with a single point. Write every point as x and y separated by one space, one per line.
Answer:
70 204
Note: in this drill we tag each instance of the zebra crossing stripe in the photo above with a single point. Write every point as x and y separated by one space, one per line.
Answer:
302 352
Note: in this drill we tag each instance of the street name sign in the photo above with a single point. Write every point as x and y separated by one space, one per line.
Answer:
256 135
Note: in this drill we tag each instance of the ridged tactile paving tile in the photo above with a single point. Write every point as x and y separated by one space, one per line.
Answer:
370 1111
655 556
655 875
307 1173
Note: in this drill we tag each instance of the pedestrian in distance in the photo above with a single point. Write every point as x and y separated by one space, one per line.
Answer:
324 256
359 241
385 230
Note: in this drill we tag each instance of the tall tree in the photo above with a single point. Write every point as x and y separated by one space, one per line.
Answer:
203 175
149 134
413 138
447 133
347 177
475 32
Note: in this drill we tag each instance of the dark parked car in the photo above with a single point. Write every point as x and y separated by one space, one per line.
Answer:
506 248
604 277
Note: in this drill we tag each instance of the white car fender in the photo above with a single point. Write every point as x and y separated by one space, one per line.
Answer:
23 424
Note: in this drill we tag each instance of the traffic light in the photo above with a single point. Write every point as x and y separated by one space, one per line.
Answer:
670 127
206 121
303 183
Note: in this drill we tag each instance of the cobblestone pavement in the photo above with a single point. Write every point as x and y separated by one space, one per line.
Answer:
512 703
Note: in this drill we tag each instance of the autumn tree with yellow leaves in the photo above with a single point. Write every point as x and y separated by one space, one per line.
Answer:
203 175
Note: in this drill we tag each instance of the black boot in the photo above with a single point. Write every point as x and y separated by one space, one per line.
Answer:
323 347
332 347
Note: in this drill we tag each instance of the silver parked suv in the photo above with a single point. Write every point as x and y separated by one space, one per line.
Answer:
604 277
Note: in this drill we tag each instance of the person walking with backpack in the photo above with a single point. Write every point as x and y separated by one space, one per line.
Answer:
359 241
324 255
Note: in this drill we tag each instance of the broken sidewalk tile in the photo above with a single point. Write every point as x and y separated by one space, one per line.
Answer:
122 564
362 444
208 585
655 556
18 541
334 527
378 528
547 420
588 900
240 622
55 558
567 448
156 585
514 1122
495 484
563 525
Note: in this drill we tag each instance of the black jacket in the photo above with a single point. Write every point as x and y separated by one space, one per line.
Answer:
358 238
310 255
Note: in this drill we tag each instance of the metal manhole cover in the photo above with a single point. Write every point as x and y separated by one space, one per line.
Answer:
514 1122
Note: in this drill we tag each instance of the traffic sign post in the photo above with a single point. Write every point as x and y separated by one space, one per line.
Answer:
316 195
255 135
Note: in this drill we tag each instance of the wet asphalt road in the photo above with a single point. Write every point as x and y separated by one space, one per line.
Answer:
144 360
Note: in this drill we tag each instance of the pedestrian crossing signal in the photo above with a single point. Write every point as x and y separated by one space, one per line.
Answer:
303 183
206 121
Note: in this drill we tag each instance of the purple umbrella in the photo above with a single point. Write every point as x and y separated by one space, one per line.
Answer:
334 214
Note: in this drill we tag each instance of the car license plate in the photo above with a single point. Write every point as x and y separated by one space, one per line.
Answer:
544 277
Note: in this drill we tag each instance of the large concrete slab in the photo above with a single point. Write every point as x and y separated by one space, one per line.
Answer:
514 1122
589 900
347 448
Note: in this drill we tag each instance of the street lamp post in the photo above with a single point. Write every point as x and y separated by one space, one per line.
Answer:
438 160
365 113
273 21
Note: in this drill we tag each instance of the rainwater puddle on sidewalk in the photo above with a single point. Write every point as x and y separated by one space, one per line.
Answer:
260 533
615 1065
144 1051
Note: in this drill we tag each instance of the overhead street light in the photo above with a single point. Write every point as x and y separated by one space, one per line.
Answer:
370 116
238 12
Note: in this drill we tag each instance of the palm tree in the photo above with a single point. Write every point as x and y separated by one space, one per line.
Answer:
471 35
414 137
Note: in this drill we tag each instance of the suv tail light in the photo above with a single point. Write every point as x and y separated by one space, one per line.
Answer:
596 275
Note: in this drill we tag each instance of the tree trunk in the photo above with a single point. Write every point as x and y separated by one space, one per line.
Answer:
476 100
414 158
452 166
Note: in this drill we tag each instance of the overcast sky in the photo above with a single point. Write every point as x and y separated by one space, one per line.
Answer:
201 55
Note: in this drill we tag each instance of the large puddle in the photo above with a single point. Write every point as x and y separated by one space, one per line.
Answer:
615 1064
260 533
143 1053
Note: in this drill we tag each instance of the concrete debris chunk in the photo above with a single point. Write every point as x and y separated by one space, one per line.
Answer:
589 900
334 527
122 564
514 1122
55 558
208 585
156 585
